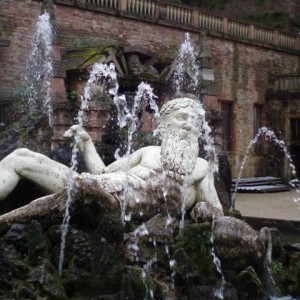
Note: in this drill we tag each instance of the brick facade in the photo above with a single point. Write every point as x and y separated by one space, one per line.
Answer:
241 70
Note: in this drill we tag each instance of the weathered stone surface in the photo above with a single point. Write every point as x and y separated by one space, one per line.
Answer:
237 244
167 262
204 211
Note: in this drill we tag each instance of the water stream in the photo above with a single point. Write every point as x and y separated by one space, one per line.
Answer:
40 67
270 136
186 72
219 290
185 78
130 118
104 76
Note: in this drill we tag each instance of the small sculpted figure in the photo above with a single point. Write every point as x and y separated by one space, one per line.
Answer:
152 179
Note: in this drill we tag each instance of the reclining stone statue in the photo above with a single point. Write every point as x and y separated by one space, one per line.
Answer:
145 182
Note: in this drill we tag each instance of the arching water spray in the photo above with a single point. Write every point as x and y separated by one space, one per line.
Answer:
144 94
269 136
219 290
40 67
139 232
130 117
105 77
186 72
186 79
66 219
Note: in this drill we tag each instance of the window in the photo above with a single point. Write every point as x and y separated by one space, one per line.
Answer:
257 119
5 114
226 110
295 129
257 124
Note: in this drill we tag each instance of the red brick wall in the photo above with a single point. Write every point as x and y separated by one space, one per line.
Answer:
241 70
17 21
242 75
83 27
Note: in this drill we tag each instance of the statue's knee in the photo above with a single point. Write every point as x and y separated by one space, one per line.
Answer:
22 152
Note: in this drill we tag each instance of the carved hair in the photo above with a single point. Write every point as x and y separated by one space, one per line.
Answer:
176 104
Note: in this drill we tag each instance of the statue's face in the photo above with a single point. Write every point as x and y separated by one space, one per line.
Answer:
184 121
182 117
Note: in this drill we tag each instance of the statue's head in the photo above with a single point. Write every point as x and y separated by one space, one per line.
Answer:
181 115
180 126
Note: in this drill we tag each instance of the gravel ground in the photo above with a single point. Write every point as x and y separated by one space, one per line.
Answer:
280 205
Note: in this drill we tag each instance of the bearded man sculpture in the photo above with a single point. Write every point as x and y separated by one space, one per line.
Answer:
145 182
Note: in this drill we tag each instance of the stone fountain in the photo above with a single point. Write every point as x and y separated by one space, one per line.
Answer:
215 255
150 257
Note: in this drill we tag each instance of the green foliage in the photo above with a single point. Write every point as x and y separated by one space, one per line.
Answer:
134 285
131 226
199 242
277 268
295 23
273 19
72 96
250 282
259 2
87 55
176 1
207 4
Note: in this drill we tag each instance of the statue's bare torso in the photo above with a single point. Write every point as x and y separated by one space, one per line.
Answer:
150 187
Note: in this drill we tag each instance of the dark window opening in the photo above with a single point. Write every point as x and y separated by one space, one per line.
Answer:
227 142
257 124
257 121
295 129
5 114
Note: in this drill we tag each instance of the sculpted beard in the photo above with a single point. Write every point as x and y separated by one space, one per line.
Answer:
179 152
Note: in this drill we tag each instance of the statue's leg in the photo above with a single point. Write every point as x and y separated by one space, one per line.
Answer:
48 174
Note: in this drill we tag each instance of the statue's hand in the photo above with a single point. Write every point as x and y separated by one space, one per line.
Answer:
80 135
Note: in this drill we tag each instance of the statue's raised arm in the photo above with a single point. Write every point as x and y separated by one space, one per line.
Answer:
92 160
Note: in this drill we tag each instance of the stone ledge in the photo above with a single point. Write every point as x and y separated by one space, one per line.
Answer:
282 225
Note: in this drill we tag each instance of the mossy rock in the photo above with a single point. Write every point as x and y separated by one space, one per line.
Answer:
193 243
138 284
250 284
87 56
293 275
